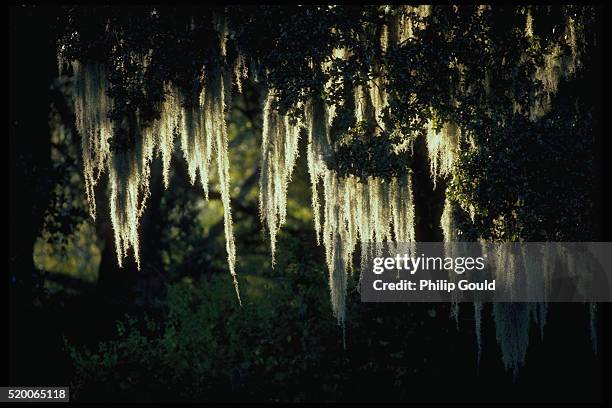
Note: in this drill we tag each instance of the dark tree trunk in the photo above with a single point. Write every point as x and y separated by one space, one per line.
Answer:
428 202
128 284
113 282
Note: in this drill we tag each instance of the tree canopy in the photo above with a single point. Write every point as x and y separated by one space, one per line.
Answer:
498 95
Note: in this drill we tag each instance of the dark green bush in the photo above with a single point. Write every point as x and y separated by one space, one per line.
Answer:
208 347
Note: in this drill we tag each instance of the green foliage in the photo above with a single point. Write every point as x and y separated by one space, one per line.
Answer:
206 345
362 154
471 65
282 345
526 180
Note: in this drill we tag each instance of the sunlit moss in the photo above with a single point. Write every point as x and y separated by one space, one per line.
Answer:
241 71
370 211
202 131
279 151
557 65
442 148
318 152
91 107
